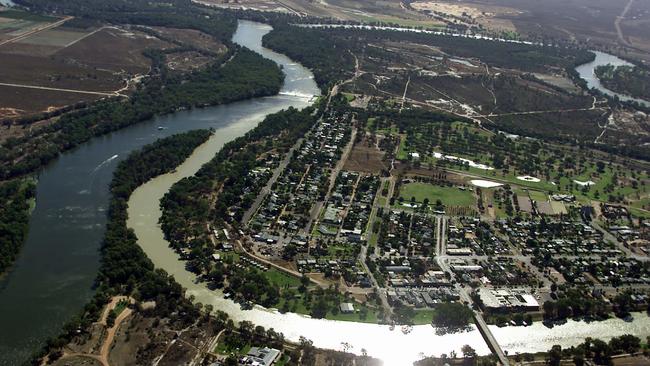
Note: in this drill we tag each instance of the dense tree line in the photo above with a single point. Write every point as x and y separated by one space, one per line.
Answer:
574 302
15 198
244 76
596 350
125 268
327 51
238 74
328 57
452 316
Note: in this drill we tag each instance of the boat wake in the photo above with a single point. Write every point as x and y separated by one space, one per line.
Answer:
297 94
104 163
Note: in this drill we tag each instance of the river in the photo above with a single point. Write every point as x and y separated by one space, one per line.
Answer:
587 73
393 347
52 279
53 276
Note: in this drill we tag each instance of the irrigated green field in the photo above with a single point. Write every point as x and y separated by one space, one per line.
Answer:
449 196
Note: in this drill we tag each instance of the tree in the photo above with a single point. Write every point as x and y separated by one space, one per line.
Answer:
319 309
452 315
555 355
304 283
468 351
110 319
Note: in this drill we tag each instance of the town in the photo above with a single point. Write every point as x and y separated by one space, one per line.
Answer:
351 225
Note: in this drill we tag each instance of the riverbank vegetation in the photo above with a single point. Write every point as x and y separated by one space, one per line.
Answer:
452 316
219 194
16 201
237 74
313 48
245 74
125 269
595 350
628 80
162 312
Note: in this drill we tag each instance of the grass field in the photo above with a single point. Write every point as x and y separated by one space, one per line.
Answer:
349 97
423 317
354 317
22 15
281 279
119 308
449 196
225 349
538 196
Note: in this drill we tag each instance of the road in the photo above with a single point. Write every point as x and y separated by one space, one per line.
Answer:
105 348
315 212
441 259
617 23
36 30
276 174
363 254
104 94
609 237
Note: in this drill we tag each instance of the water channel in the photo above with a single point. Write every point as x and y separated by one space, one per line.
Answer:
587 73
52 279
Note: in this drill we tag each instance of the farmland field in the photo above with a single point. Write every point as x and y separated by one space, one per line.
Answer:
83 60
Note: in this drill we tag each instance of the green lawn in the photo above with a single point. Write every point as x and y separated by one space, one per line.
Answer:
373 238
282 361
119 308
423 317
226 349
402 152
281 279
339 250
538 196
23 15
349 97
450 196
371 316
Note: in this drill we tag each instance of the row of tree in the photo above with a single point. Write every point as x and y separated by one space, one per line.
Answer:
125 268
15 198
245 75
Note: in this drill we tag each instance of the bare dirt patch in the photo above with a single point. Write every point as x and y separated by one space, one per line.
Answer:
113 49
366 157
487 15
21 101
64 58
186 61
193 38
